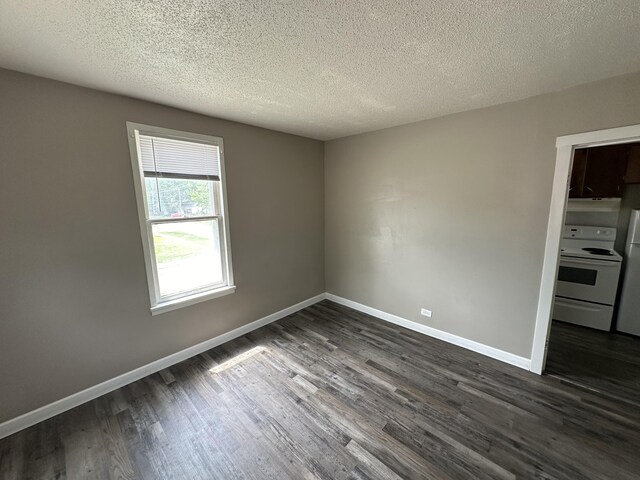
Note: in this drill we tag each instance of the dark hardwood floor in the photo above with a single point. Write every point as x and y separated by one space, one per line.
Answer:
330 393
608 363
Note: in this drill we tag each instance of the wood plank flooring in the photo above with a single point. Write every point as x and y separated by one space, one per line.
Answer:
331 393
606 362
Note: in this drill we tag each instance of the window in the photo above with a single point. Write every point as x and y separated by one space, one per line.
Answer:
180 189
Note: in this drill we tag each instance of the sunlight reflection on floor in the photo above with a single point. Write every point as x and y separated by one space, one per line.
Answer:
232 362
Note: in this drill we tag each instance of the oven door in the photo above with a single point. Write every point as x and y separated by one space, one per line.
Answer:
587 279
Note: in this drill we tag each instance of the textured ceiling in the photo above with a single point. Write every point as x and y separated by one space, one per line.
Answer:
322 69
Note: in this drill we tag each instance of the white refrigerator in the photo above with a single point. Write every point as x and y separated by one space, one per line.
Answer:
629 311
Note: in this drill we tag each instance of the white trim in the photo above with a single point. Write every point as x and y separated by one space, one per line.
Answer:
477 347
559 194
31 418
610 136
141 201
191 299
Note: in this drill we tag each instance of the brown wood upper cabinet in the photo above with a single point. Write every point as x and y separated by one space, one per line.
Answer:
599 171
633 165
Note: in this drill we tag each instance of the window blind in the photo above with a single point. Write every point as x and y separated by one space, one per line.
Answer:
167 157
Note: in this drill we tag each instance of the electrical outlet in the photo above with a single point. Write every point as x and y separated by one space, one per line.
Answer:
425 312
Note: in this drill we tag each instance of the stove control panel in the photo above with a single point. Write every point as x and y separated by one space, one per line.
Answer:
587 232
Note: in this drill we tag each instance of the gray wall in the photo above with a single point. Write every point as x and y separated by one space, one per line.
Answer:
451 213
598 219
74 305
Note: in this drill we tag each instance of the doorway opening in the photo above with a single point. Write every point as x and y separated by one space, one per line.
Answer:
588 322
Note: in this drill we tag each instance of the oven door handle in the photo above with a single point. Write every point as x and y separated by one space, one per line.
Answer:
579 306
594 262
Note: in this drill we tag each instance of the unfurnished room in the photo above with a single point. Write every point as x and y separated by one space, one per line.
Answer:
352 240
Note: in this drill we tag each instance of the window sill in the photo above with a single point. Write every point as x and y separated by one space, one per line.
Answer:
191 300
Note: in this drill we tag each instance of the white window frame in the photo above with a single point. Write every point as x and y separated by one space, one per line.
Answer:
171 302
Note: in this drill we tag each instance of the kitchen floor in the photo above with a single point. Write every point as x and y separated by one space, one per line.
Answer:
605 362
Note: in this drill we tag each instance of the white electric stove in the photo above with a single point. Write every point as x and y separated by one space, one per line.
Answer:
587 277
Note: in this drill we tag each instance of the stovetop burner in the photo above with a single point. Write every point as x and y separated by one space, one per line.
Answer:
598 251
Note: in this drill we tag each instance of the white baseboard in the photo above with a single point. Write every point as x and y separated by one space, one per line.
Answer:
501 355
31 418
